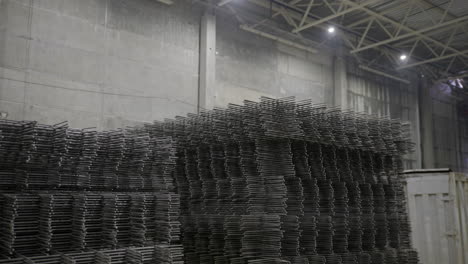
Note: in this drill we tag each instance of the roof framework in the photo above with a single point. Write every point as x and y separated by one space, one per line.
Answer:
433 34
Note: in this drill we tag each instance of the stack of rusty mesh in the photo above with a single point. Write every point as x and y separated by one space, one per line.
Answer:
88 209
167 218
56 219
20 225
116 220
143 219
115 149
280 154
88 155
9 150
57 157
32 161
112 256
67 175
47 259
140 255
136 157
274 180
169 254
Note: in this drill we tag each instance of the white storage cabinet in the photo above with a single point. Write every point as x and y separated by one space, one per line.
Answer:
438 211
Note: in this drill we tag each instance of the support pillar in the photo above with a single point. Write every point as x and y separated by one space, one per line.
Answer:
340 81
207 67
426 125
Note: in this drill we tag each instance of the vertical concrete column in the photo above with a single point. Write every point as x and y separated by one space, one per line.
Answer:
340 81
416 127
458 138
426 125
207 70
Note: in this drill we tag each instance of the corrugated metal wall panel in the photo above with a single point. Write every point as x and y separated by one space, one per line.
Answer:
384 97
438 210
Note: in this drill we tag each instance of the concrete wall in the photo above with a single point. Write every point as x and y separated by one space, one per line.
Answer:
463 132
449 139
375 95
444 127
249 66
112 63
97 63
107 64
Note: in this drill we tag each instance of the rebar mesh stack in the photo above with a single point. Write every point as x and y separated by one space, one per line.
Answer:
326 181
55 224
143 219
78 190
87 221
39 223
20 222
275 181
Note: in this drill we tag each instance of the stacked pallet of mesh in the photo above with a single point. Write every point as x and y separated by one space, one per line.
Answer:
274 181
87 157
87 230
55 225
143 219
32 162
10 148
20 225
329 177
116 220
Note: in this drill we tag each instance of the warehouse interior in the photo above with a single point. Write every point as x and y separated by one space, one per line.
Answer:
115 67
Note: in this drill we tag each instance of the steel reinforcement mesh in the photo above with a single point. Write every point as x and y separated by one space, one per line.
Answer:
275 181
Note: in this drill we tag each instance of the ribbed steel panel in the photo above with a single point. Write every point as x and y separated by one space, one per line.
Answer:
438 210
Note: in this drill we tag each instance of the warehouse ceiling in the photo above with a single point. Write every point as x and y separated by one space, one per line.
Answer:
385 35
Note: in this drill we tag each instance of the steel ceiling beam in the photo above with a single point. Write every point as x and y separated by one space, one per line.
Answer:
432 60
167 2
297 13
429 48
278 39
306 13
450 64
386 11
329 6
411 33
465 75
363 37
397 7
383 28
449 41
413 47
288 19
293 11
223 2
436 7
433 32
281 11
277 10
375 71
335 15
403 22
293 2
446 11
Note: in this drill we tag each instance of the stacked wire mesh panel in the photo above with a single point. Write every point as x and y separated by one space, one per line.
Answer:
82 196
131 255
287 181
274 181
